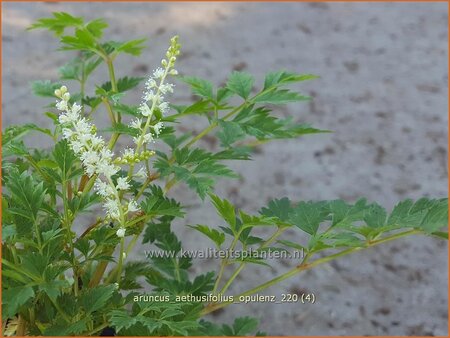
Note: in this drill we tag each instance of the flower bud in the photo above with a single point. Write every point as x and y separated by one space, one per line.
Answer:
63 89
120 232
66 97
58 92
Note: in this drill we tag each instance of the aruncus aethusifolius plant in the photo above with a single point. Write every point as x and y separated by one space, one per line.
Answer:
96 157
59 279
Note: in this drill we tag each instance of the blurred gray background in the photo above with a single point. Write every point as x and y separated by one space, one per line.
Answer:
383 91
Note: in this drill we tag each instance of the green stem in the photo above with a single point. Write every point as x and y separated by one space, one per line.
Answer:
233 277
127 252
119 266
201 134
224 263
149 180
67 225
269 241
304 266
109 110
131 244
112 76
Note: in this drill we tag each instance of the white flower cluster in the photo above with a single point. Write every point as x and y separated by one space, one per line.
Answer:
97 159
153 97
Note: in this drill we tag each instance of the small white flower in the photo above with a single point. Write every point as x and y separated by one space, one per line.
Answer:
128 153
158 73
82 126
106 154
157 128
122 184
166 88
62 105
163 107
90 157
90 169
120 232
67 133
68 118
151 83
107 169
77 146
145 110
137 123
148 138
85 138
112 208
96 141
133 206
76 108
103 189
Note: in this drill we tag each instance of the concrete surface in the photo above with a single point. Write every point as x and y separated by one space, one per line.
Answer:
383 91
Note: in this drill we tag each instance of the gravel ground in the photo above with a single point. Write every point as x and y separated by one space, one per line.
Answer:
383 87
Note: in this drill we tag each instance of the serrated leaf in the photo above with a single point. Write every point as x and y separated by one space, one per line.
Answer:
281 96
96 298
240 83
436 217
375 216
45 88
64 158
71 70
197 168
14 298
96 27
83 39
58 23
26 194
158 205
199 107
283 77
308 216
225 210
120 319
230 133
53 288
244 325
199 86
14 133
122 128
132 47
123 84
280 208
216 236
